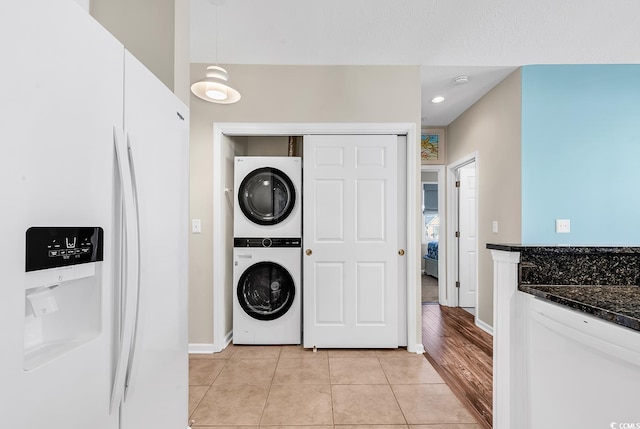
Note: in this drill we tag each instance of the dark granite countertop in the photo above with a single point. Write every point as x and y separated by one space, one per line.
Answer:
617 304
560 249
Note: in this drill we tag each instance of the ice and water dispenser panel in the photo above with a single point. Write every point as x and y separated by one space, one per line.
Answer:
60 247
63 295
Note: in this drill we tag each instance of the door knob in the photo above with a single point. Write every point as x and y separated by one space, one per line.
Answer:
401 252
308 252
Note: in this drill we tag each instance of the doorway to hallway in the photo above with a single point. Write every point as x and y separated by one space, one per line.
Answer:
433 272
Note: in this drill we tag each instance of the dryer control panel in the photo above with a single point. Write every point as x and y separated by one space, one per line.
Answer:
267 242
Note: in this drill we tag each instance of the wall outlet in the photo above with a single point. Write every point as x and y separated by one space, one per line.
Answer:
196 226
563 226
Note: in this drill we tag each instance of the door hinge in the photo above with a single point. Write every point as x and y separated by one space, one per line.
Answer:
457 284
457 183
457 234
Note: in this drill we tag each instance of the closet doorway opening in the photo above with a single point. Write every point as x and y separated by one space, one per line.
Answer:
228 139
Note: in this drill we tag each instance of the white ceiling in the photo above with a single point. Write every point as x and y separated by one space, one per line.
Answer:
483 39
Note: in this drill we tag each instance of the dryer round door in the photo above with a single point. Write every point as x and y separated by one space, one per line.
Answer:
266 291
266 196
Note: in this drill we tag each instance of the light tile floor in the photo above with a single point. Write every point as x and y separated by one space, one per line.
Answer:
274 386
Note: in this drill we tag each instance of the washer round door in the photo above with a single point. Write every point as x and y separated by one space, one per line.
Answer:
266 291
266 196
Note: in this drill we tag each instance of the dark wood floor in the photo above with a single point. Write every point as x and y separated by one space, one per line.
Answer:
463 355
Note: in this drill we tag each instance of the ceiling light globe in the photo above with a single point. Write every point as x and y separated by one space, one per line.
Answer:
216 93
214 88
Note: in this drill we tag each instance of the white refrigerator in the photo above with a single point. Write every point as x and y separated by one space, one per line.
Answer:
93 223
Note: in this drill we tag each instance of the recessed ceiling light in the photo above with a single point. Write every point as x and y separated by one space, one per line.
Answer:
438 99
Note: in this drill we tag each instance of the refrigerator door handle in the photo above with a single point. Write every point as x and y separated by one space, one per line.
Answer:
130 267
136 307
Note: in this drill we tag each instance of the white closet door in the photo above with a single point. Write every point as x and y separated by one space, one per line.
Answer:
350 241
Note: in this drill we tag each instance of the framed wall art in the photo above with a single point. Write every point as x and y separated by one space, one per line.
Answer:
432 146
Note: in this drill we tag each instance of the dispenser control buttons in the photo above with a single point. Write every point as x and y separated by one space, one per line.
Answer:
69 252
51 247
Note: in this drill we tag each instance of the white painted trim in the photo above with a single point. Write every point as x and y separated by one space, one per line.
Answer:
219 226
227 340
486 328
402 239
414 326
452 248
418 349
452 210
284 129
200 348
509 359
476 158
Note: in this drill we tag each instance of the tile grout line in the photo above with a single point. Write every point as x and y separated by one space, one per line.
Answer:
333 412
210 386
392 392
266 401
199 401
205 393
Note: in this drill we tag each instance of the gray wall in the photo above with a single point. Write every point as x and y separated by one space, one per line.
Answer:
492 127
284 94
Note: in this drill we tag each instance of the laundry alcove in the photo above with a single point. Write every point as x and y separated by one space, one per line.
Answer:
251 139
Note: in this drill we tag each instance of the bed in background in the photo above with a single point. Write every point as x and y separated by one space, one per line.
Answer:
431 259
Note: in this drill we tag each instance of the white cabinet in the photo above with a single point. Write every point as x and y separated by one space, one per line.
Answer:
554 367
583 372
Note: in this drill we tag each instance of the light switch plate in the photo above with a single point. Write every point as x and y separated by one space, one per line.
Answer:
494 226
196 226
563 226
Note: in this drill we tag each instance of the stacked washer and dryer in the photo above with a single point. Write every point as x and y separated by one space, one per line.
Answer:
267 269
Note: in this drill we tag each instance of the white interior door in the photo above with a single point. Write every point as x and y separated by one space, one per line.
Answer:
350 239
468 236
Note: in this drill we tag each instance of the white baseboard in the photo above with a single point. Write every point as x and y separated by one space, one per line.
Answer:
417 349
486 328
218 346
200 348
227 339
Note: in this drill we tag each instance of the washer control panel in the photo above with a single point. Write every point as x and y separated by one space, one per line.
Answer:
52 247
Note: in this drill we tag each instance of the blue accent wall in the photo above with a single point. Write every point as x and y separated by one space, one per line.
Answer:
581 153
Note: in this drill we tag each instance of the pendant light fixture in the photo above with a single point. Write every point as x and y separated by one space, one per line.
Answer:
214 87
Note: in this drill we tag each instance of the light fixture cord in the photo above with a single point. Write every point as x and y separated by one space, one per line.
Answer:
216 33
